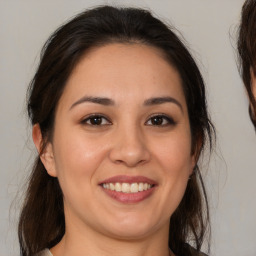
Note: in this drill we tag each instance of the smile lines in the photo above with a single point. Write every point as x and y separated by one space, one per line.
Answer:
127 187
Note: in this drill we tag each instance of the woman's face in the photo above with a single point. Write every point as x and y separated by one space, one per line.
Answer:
121 147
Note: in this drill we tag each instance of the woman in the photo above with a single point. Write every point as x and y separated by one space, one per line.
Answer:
247 53
119 120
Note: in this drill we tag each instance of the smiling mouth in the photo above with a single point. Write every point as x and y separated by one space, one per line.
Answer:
127 187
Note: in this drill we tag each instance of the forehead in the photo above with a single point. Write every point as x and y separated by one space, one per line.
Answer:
122 71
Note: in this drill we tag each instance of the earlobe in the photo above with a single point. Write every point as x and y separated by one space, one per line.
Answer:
45 153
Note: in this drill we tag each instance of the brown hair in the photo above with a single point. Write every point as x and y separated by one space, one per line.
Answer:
42 222
247 51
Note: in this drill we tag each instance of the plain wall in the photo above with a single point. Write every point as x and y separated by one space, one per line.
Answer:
210 28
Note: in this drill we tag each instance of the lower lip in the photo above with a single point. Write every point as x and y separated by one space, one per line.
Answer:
129 198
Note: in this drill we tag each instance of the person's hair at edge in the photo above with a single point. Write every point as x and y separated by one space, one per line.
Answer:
247 50
96 27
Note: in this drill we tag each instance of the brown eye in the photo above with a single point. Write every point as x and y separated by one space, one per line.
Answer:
96 120
157 120
160 120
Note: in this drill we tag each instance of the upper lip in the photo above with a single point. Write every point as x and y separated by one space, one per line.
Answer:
128 179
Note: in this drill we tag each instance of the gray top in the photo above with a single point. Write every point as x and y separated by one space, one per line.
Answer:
45 252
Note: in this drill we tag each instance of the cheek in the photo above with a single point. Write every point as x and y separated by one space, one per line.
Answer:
77 163
176 162
178 167
174 154
77 157
174 157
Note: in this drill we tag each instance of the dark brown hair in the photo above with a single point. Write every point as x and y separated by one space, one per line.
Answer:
247 51
42 222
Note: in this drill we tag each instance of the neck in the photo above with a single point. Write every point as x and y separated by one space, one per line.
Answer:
89 242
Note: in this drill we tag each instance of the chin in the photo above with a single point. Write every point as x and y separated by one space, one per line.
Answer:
132 233
135 229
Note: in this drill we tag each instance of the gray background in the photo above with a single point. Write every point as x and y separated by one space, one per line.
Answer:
210 28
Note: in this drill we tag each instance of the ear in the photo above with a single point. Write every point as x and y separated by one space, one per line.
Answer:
45 153
196 152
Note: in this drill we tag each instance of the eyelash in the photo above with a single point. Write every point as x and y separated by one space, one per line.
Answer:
161 117
93 117
168 120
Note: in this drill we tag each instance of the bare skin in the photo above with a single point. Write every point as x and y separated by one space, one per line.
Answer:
123 113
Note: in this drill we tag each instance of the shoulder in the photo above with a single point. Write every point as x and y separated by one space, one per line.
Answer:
45 252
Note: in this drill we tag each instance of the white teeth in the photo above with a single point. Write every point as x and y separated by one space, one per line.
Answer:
112 186
127 187
141 187
134 188
118 187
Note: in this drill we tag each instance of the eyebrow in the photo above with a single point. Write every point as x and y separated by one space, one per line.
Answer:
110 102
162 100
97 100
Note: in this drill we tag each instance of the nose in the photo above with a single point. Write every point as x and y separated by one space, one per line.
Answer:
129 147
